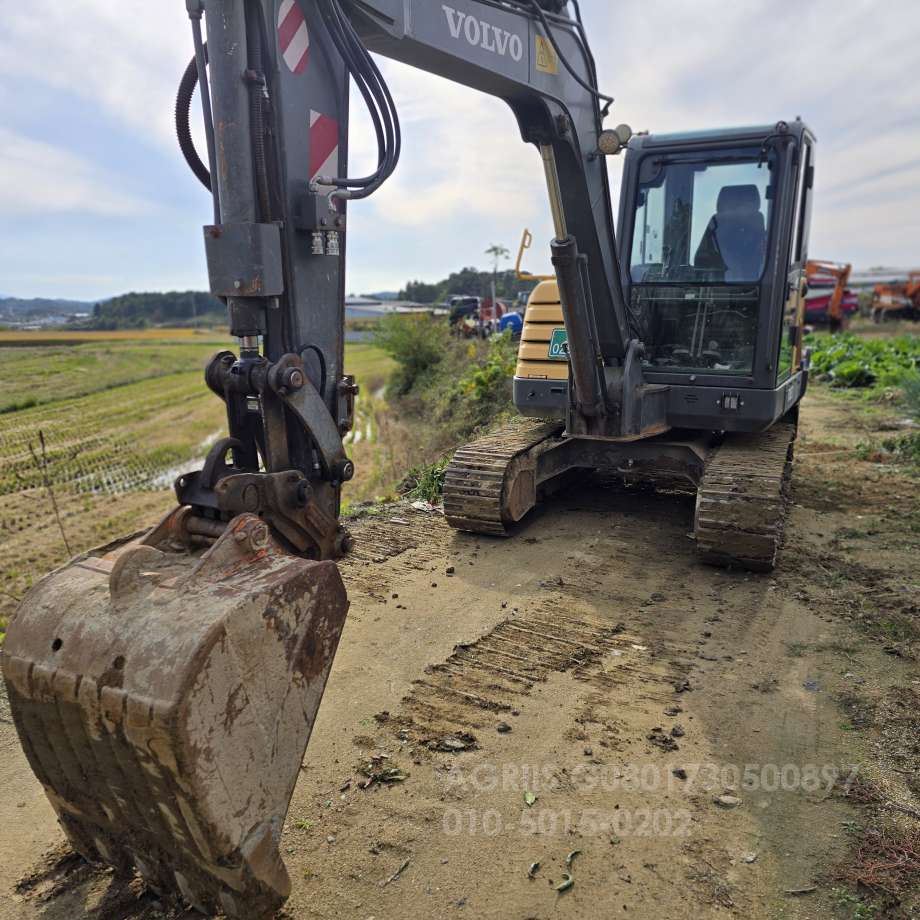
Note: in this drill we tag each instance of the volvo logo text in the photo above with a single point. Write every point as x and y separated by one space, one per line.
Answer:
482 34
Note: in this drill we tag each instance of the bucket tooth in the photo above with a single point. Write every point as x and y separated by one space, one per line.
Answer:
165 701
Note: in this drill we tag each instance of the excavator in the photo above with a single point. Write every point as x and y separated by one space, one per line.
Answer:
164 687
900 300
816 271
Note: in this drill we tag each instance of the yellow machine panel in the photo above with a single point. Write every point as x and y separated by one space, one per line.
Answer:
543 317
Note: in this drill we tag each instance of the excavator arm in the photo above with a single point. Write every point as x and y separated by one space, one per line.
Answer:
535 56
840 272
276 118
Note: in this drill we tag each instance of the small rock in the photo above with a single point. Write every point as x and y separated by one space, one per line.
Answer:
449 570
748 857
678 731
434 584
661 740
727 801
589 752
503 728
395 597
453 744
673 711
330 839
682 686
679 772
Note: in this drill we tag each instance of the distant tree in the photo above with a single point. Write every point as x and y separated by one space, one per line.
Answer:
136 310
470 281
497 252
421 292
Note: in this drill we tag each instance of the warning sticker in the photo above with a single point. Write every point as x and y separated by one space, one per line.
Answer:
547 62
293 36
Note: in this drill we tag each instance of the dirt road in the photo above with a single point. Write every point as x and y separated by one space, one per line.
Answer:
583 703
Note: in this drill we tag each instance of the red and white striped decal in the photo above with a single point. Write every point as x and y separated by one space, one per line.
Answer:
293 36
324 146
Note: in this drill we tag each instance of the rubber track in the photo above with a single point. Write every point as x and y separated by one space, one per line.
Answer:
742 500
474 485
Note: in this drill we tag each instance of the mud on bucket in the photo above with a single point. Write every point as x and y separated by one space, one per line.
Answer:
165 700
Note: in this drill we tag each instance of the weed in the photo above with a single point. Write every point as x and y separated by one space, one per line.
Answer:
906 447
837 648
796 649
849 362
854 905
416 343
854 533
466 392
426 483
886 861
910 386
486 381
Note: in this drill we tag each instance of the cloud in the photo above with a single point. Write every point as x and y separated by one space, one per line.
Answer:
40 179
466 180
462 157
847 69
125 57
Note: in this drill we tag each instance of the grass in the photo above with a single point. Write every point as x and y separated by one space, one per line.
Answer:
36 375
121 418
426 483
47 337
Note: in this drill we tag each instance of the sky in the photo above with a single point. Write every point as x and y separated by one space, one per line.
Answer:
95 198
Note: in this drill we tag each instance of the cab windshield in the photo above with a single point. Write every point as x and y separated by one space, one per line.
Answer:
699 249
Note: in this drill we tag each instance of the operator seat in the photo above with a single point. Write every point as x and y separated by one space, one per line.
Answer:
735 239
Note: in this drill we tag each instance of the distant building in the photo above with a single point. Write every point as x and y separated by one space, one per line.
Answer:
372 308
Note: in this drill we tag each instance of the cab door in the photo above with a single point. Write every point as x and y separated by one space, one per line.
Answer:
793 326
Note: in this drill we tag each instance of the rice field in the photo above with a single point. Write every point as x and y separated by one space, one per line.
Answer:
108 422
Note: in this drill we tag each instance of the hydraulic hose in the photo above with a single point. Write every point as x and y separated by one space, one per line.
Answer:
258 94
183 124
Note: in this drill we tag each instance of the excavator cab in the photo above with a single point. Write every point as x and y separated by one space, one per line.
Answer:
712 243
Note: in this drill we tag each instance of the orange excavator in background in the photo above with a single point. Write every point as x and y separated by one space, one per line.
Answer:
900 300
817 272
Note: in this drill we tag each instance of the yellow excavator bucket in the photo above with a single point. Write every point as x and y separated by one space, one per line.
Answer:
165 698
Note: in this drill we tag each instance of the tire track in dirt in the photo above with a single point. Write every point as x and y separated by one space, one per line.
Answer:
598 639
